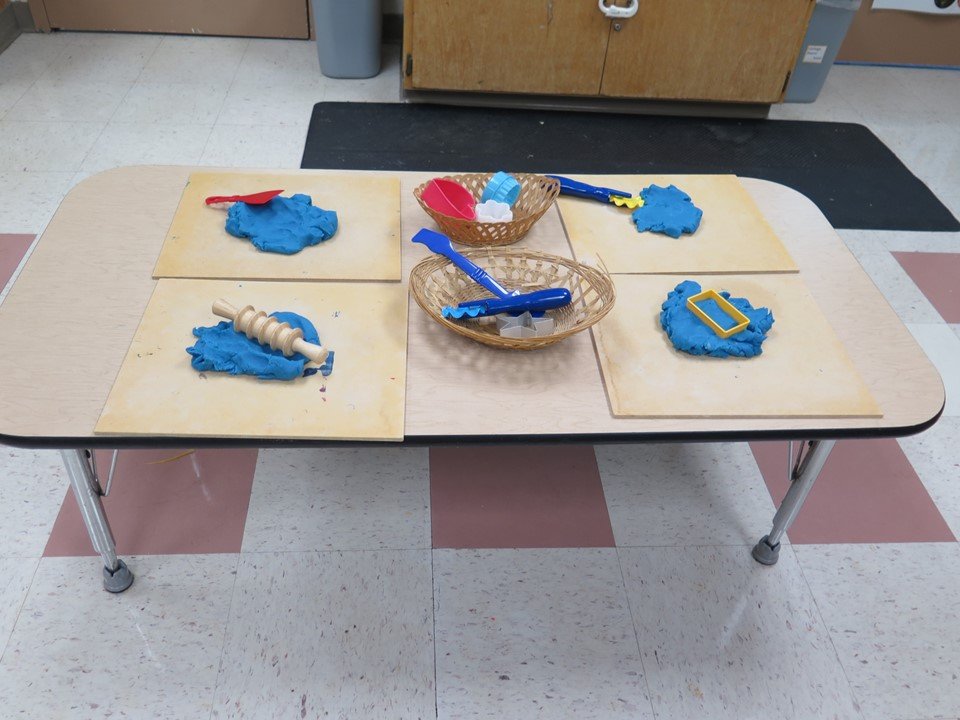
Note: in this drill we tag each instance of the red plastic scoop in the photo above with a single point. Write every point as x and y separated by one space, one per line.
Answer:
450 198
260 198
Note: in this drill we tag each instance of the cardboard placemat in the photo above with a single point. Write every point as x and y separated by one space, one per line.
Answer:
733 236
366 245
157 392
803 371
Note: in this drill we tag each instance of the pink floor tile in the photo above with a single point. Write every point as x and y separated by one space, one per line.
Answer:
163 508
517 497
867 493
938 277
12 250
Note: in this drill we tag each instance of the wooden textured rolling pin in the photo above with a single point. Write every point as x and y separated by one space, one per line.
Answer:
266 330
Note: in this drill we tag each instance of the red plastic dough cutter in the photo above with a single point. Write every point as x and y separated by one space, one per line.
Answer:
260 198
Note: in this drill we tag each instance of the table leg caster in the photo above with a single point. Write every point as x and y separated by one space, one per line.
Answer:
765 553
116 581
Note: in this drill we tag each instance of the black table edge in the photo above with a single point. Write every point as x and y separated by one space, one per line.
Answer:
130 442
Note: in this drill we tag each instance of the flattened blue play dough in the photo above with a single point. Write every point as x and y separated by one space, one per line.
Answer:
222 349
667 210
284 225
690 334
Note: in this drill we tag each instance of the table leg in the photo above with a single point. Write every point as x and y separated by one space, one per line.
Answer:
86 489
767 551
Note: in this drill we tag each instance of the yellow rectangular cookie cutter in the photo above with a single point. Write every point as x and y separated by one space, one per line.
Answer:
742 320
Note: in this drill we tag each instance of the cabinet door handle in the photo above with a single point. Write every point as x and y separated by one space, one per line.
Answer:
612 11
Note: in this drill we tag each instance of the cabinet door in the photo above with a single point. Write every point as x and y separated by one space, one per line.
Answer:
731 50
521 46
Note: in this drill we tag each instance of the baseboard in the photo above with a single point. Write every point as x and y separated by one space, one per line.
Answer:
9 27
591 104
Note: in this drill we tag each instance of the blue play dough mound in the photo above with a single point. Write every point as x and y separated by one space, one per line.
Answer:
283 225
667 210
223 349
691 335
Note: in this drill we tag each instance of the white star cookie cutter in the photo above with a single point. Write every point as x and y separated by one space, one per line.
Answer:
493 211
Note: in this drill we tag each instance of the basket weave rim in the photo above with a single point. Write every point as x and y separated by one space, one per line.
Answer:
474 233
598 278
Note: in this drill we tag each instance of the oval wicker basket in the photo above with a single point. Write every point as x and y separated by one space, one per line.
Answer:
436 282
537 193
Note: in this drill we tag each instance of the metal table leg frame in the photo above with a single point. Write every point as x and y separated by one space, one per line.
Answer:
802 477
86 489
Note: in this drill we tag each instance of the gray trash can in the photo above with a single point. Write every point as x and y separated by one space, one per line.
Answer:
348 37
828 27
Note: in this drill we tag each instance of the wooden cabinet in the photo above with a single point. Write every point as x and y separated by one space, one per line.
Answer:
719 50
732 50
520 46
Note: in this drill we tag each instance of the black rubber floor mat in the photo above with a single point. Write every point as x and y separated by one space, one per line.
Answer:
845 169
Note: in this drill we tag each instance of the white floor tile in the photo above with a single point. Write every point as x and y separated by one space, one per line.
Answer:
891 614
284 104
172 103
255 146
684 494
947 189
943 348
863 242
362 499
338 635
198 60
16 574
929 148
50 100
898 288
103 58
152 652
535 633
901 241
279 63
33 484
935 455
30 55
937 92
46 146
877 93
146 144
10 94
724 637
30 199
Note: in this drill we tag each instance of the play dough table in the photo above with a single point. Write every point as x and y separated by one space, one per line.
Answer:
69 318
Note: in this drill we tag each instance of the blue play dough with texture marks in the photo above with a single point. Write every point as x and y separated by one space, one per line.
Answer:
284 225
668 210
222 349
690 334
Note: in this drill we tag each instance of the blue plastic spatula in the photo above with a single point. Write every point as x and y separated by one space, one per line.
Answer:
576 188
506 301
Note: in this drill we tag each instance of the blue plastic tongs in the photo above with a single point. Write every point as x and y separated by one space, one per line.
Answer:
506 301
575 188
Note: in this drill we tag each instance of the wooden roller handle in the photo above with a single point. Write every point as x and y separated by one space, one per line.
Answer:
268 330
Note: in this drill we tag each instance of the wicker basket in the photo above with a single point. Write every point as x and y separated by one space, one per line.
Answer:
436 282
537 194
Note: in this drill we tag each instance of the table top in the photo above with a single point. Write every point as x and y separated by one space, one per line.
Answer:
88 281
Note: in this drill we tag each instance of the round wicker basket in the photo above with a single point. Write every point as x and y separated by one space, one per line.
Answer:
537 194
436 283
